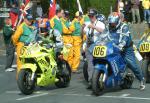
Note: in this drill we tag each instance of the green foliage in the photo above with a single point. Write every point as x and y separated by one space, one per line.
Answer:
45 5
103 6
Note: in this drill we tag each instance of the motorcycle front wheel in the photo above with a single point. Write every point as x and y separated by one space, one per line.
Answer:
146 69
97 82
64 74
25 84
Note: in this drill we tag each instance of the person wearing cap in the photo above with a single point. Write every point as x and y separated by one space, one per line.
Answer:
67 38
75 28
94 33
22 36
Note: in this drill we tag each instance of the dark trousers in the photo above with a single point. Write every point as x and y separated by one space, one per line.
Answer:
10 50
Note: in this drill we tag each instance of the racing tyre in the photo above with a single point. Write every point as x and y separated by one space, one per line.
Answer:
97 82
85 71
25 84
146 69
127 82
64 75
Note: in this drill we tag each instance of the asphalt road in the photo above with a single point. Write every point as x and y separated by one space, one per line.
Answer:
75 93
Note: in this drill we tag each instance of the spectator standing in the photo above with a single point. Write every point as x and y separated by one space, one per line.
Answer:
121 6
7 34
39 11
146 7
75 28
127 11
135 10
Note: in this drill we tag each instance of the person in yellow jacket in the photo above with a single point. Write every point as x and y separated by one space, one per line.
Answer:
22 36
146 6
75 28
61 24
55 22
67 38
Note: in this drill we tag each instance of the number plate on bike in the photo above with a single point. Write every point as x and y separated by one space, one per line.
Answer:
145 47
99 51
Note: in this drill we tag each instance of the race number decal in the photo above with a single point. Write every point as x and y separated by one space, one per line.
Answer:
145 47
99 51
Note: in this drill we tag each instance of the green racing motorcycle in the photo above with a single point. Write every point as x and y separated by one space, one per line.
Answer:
42 66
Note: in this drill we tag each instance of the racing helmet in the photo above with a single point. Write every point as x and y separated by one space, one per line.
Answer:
114 20
101 17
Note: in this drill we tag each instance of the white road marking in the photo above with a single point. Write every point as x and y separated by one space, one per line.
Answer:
17 92
33 96
115 97
124 95
120 97
14 66
38 94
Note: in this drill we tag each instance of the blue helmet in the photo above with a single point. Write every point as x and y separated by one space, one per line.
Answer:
101 17
114 20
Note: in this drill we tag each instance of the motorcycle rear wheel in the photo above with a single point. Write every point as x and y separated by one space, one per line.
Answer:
146 69
97 82
85 71
127 82
64 75
24 82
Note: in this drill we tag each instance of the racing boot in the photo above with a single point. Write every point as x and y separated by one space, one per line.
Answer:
142 84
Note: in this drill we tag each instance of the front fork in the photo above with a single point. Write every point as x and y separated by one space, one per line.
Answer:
105 75
32 76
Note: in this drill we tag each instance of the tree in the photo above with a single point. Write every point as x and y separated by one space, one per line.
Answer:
103 6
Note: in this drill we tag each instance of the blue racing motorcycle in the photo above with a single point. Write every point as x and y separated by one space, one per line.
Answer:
109 68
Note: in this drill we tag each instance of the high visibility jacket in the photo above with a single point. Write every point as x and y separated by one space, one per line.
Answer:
23 34
65 24
56 23
75 27
7 33
146 4
85 19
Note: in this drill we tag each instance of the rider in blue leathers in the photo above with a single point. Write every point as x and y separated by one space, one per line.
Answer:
120 35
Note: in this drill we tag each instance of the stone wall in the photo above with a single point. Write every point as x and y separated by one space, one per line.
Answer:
137 30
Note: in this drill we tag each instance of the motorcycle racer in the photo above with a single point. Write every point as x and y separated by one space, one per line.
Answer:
120 35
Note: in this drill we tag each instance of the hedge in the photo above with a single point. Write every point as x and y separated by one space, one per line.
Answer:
103 6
